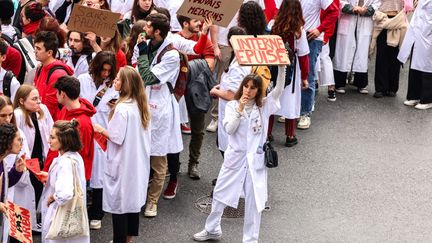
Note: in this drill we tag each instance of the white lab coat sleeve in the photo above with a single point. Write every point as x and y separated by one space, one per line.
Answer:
167 70
14 87
117 126
232 118
64 186
325 4
184 45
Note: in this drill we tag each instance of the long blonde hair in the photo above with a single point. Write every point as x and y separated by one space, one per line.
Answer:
133 88
22 93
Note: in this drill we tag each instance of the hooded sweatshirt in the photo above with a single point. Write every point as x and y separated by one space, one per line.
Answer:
46 88
83 115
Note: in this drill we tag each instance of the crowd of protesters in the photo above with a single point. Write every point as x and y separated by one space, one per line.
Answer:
105 115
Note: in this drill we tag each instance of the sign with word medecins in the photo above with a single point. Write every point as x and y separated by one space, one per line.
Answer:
259 50
101 22
221 12
19 223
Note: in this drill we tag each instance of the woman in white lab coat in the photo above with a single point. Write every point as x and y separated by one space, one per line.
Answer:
225 91
418 44
352 44
128 166
243 169
96 87
59 187
34 119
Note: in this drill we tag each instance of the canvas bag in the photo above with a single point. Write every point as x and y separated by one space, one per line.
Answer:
70 220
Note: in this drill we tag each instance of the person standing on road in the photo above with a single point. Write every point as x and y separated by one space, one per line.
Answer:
418 45
243 171
128 155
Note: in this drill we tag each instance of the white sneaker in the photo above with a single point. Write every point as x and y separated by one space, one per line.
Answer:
340 90
205 236
423 106
363 91
304 122
281 119
212 127
150 210
95 224
411 102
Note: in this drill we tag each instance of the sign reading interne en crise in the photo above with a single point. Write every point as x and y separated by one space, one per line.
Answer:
222 11
101 22
259 50
19 223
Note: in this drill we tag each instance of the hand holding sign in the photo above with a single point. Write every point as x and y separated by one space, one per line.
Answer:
20 164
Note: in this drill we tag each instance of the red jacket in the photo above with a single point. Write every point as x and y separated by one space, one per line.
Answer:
46 89
83 115
13 61
121 59
329 18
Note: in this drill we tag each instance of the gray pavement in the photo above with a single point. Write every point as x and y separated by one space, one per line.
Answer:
361 173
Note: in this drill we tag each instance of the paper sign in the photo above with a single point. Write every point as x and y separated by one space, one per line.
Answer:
19 223
101 22
101 140
222 11
33 165
259 50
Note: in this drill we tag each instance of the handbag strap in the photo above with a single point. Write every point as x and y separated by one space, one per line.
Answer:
76 183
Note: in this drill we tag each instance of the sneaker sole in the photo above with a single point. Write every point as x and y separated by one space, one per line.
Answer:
289 145
169 197
95 228
331 100
150 215
213 238
187 133
210 130
303 128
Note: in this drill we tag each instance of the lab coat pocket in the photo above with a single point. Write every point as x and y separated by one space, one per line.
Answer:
112 169
344 24
233 159
258 163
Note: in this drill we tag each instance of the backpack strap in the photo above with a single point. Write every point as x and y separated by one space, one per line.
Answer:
159 59
7 39
7 80
53 69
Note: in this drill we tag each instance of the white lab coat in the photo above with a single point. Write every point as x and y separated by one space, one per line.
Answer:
82 66
54 5
183 110
14 84
326 76
45 125
22 193
120 6
89 92
230 81
165 127
291 102
346 42
419 35
60 183
128 167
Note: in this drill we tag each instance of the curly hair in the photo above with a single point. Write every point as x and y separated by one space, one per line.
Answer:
289 19
251 17
8 132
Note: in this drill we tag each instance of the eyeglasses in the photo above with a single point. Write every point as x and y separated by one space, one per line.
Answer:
6 115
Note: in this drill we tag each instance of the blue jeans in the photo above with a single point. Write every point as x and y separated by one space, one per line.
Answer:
308 95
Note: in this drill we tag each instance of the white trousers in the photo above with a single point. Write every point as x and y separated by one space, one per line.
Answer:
252 218
183 110
326 77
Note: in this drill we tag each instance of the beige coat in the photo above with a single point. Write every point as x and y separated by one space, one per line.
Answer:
396 26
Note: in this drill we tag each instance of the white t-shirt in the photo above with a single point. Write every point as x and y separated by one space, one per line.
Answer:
312 12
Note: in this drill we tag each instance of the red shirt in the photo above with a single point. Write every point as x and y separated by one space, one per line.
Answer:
13 61
121 59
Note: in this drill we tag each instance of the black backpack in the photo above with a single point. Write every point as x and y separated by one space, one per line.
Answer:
51 71
7 80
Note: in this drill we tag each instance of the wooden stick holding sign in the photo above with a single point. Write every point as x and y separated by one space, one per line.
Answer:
19 223
101 22
221 11
259 50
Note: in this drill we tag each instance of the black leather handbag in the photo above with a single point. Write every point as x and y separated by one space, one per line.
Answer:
270 155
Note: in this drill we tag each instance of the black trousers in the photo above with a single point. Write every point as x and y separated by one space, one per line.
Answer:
125 225
387 66
173 165
419 86
360 79
95 211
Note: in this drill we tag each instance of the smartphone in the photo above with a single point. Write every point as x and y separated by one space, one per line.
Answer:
143 34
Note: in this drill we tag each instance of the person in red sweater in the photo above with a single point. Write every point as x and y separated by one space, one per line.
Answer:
13 61
46 46
67 92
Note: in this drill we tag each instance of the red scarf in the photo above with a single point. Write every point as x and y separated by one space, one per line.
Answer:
31 28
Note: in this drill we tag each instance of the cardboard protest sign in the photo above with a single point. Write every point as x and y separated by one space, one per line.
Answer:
101 22
19 223
222 11
260 50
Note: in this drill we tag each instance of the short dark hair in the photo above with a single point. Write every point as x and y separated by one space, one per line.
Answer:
163 11
181 19
8 132
3 47
159 22
68 135
34 11
96 66
49 39
70 85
